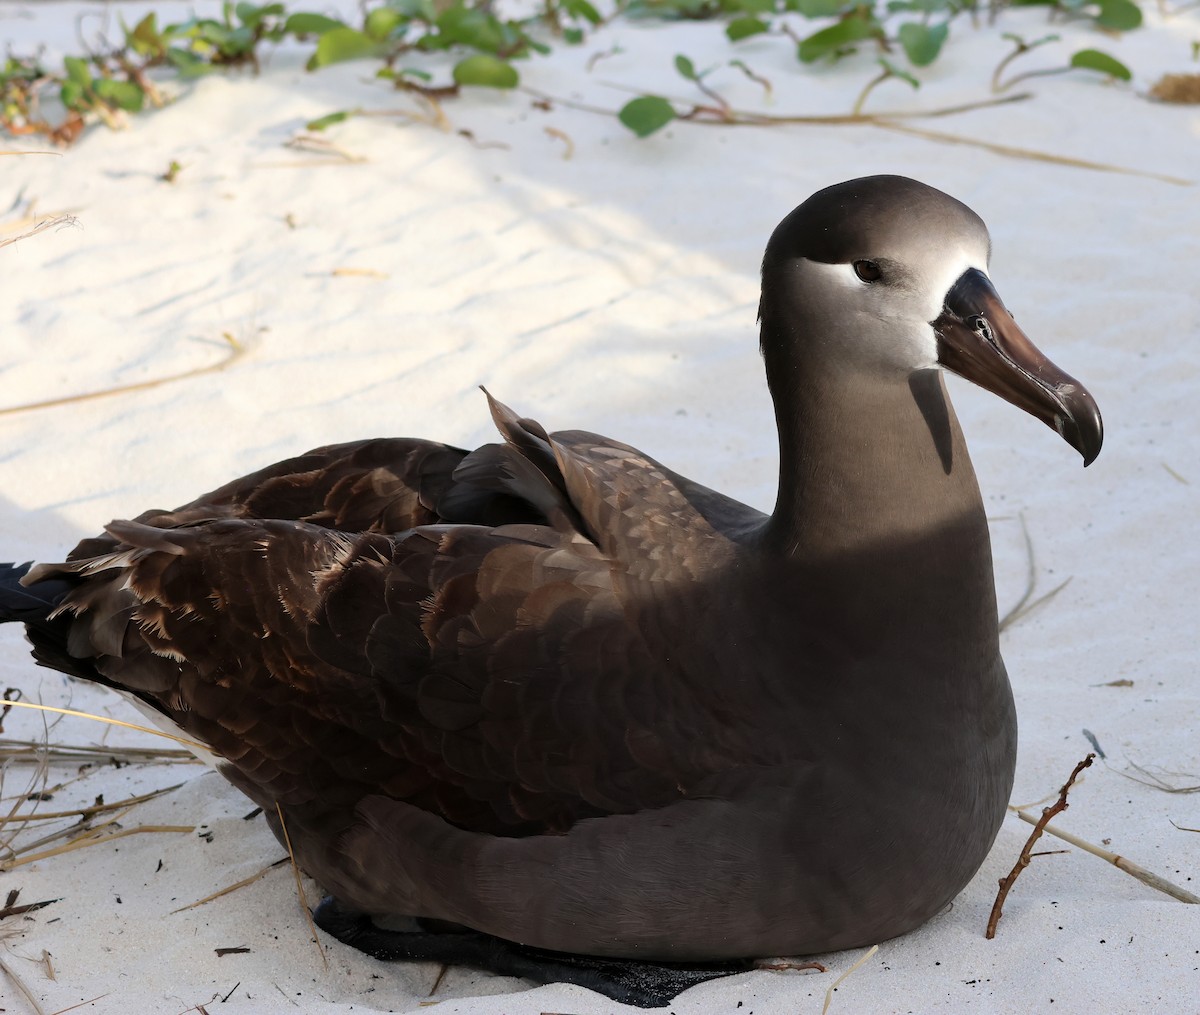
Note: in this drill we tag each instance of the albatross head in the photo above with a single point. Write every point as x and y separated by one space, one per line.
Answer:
886 275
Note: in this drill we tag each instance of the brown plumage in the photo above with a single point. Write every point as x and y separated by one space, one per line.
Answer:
552 691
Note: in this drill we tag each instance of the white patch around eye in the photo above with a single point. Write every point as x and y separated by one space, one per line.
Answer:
842 275
949 271
906 339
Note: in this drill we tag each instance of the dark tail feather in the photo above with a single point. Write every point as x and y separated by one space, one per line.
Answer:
32 607
29 605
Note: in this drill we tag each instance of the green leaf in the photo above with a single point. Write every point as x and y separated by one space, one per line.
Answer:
302 23
920 6
486 70
646 114
249 14
471 27
145 38
685 67
417 10
749 6
72 96
582 9
743 28
125 94
821 8
329 119
189 64
829 41
77 71
1093 59
1119 15
381 22
572 36
922 43
339 44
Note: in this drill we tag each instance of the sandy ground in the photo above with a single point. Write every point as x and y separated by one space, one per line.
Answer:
614 291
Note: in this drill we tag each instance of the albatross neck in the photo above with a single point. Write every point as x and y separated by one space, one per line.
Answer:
866 459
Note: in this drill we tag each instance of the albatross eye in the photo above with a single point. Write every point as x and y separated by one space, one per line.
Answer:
868 271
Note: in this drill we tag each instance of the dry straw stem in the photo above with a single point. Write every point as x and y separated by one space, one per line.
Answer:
1023 860
1156 782
106 719
17 752
90 1000
235 351
40 219
287 841
1031 155
234 887
1128 866
1023 605
87 812
20 985
834 986
90 837
892 121
50 223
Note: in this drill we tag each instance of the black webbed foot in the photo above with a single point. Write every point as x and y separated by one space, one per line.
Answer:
644 984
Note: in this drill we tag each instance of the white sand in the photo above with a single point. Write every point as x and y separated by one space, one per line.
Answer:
615 291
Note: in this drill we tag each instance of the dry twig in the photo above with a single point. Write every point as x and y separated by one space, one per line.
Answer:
1023 860
1146 877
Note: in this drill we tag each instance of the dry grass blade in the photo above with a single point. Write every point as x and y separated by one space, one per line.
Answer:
1183 828
1157 782
834 986
234 353
91 840
1023 860
87 812
1146 877
322 146
40 776
1030 576
74 1007
287 841
1024 606
20 985
1018 615
24 751
90 837
234 887
35 219
1031 155
62 220
106 719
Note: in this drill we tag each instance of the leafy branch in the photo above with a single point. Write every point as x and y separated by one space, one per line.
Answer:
411 38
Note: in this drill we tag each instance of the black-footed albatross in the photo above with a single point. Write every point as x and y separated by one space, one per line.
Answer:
585 719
